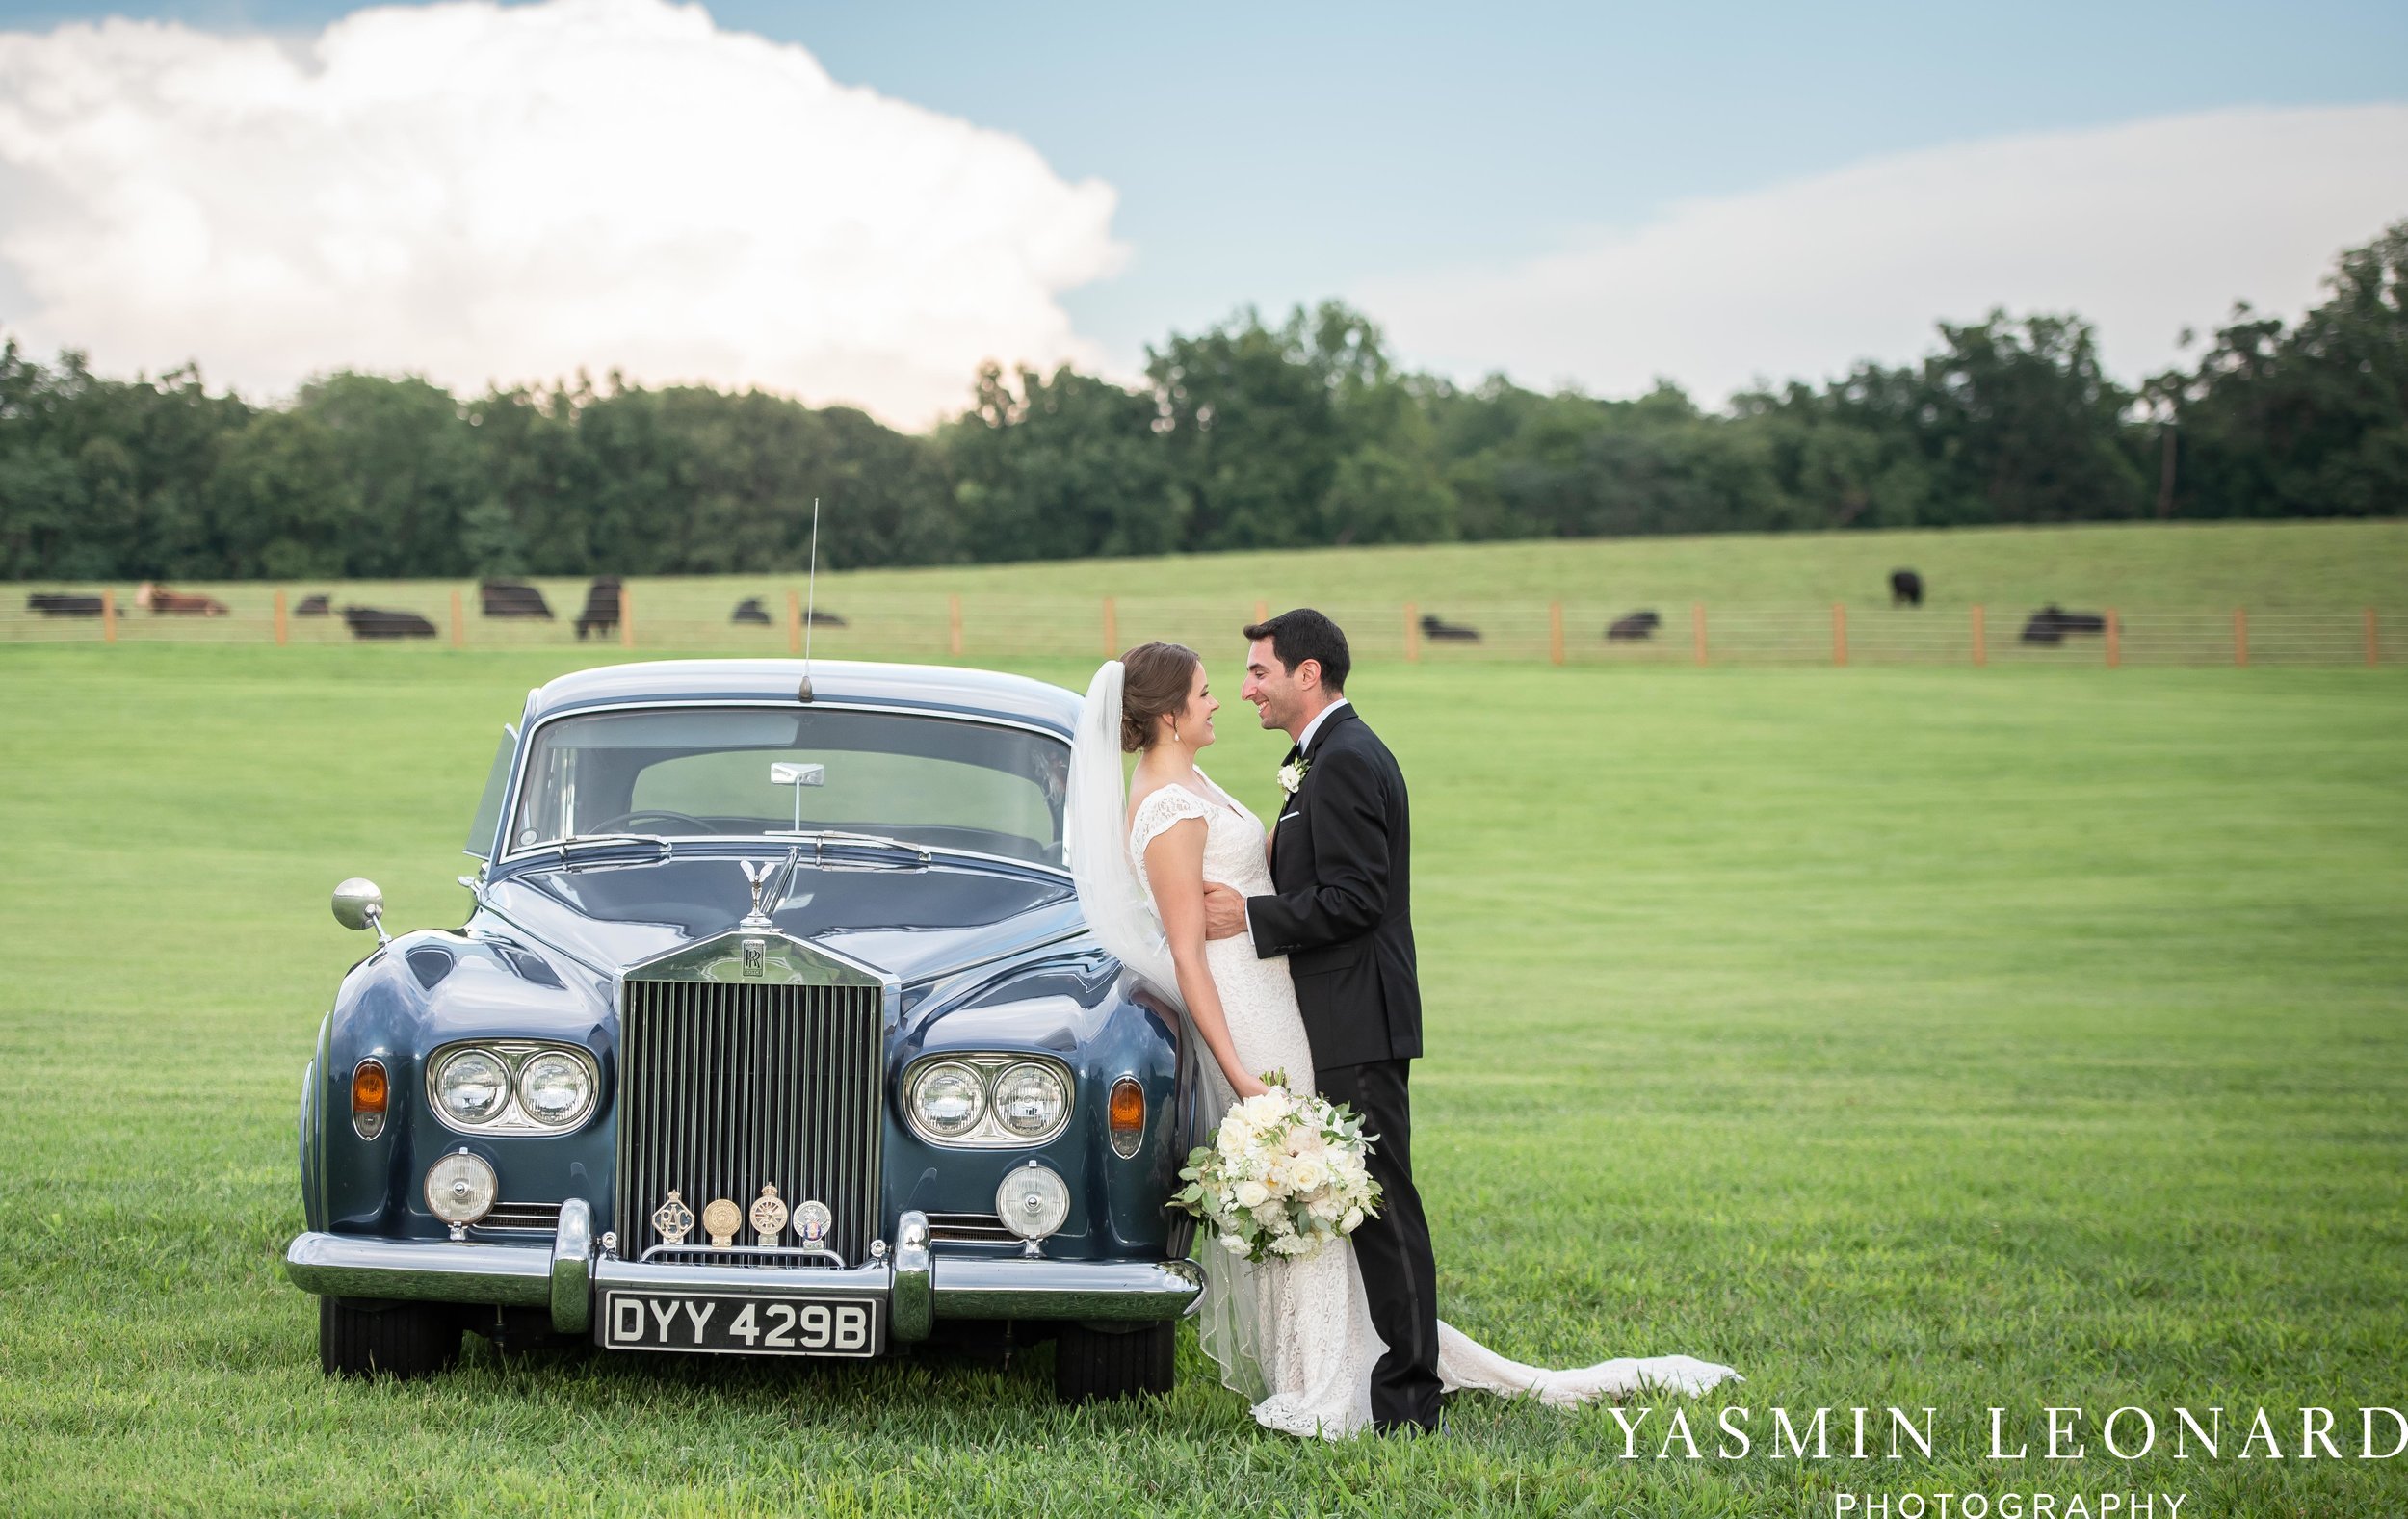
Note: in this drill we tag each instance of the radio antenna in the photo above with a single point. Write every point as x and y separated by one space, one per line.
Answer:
811 595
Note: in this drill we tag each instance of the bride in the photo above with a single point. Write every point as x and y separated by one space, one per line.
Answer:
1294 1337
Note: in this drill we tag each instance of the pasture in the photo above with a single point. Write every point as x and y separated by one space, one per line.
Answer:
1902 1036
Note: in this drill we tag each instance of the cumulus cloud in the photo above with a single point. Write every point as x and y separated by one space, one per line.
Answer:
2144 228
481 193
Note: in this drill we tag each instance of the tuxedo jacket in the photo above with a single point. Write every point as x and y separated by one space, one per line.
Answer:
1340 907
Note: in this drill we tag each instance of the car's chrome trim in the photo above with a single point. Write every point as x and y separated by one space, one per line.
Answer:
774 957
353 1265
572 1268
1127 1291
914 1307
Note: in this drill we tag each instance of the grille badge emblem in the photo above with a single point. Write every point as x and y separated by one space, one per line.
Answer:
722 1219
673 1220
811 1224
769 1214
754 951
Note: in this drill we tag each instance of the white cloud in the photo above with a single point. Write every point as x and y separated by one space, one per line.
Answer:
480 193
2143 228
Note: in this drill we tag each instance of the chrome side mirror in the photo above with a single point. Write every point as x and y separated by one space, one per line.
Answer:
358 905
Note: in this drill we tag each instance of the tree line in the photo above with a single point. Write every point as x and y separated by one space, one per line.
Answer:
1246 435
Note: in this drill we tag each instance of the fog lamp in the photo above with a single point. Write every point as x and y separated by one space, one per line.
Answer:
460 1189
1032 1203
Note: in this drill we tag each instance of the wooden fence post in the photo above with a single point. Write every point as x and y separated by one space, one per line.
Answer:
108 616
626 616
279 616
455 618
793 620
1112 629
2375 642
1555 631
2241 635
952 634
1697 628
2115 638
1839 633
1412 634
1981 642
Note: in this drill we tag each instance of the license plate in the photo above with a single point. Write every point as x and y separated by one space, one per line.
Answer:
740 1324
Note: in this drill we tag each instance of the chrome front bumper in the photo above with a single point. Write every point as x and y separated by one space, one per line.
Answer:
918 1287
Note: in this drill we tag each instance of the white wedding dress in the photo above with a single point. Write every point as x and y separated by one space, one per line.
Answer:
1296 1336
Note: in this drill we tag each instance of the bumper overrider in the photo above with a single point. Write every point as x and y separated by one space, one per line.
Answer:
565 1277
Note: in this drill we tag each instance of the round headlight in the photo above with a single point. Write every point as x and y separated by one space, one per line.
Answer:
472 1086
947 1099
1030 1101
459 1188
554 1090
1032 1201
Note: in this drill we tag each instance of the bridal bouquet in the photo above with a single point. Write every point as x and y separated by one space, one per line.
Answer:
1284 1176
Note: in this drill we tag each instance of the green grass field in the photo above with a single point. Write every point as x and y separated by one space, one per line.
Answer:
1899 1037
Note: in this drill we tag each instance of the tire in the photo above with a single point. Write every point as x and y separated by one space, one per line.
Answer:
1091 1364
403 1341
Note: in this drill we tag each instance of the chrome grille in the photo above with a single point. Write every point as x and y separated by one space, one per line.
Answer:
970 1228
537 1216
722 1088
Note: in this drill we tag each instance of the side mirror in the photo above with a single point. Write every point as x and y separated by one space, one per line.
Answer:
358 905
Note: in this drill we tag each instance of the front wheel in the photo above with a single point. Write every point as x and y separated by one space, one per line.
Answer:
402 1340
1091 1364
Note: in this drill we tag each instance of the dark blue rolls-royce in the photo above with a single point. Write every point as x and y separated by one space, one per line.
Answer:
774 1031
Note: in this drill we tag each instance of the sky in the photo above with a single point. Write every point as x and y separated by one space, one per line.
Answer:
861 202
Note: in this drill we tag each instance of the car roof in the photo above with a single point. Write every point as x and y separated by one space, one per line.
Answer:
942 688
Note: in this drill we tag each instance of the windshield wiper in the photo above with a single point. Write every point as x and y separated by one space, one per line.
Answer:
820 838
591 841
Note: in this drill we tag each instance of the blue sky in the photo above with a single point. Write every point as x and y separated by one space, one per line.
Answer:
1270 154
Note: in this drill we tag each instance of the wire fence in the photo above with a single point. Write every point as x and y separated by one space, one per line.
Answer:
897 624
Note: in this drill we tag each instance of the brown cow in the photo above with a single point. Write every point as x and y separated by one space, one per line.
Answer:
157 599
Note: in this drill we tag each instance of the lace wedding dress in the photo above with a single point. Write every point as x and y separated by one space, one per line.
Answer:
1295 1337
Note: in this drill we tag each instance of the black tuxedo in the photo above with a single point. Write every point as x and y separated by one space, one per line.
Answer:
1341 911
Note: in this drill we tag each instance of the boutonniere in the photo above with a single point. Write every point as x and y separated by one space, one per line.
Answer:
1292 775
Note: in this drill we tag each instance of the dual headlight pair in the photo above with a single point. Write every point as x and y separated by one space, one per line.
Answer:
987 1101
511 1087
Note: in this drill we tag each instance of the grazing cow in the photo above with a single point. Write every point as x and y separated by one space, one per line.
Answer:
318 606
62 604
1906 589
601 613
513 598
1439 630
2052 623
157 599
751 610
1637 628
824 620
372 623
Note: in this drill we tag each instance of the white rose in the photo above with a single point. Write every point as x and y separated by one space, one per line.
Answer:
1234 1246
1327 1208
1274 1217
1264 1109
1306 1174
1252 1195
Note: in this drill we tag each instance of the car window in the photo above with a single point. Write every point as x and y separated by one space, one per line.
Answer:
497 785
707 770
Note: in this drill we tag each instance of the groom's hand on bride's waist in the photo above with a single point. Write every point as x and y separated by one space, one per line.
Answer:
1224 912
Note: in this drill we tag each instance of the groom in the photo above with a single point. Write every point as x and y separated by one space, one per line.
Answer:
1341 911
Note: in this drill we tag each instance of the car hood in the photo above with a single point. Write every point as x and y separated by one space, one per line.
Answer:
911 923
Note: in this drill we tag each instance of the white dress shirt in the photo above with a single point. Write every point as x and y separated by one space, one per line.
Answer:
1304 740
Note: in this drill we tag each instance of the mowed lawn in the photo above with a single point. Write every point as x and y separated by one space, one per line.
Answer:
1942 1037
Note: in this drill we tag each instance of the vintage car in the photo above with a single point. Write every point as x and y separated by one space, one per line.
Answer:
775 1029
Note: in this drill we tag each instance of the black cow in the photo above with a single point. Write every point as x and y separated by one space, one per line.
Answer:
751 610
513 598
1439 630
2051 624
373 622
1906 589
314 607
824 620
62 604
1637 628
601 613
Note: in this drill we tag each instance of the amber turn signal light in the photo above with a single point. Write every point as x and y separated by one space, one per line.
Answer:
1128 1117
370 1092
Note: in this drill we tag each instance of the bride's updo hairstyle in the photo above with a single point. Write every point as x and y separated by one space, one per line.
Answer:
1155 678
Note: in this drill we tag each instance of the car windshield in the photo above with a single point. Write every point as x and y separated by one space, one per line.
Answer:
700 771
